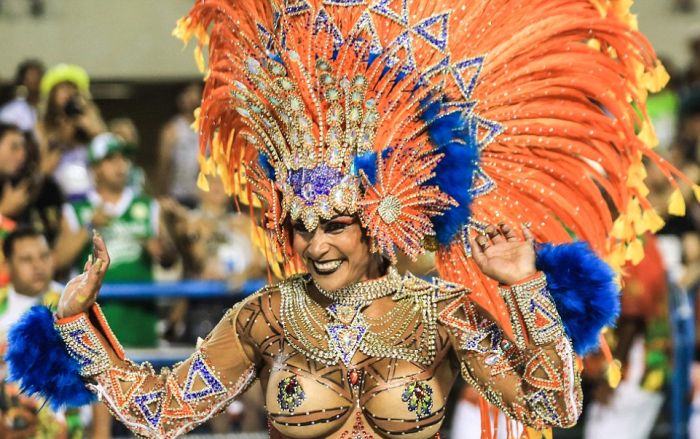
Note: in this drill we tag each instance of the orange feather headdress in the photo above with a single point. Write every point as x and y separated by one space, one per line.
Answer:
432 118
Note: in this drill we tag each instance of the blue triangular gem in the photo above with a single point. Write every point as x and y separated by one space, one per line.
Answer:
142 402
199 367
423 29
381 7
346 339
466 83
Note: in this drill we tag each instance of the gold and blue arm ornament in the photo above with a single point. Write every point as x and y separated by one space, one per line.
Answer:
69 361
535 377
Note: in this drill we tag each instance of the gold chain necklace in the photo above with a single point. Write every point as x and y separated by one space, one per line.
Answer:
303 320
365 292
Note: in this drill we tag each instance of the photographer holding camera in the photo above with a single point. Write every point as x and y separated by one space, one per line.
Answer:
69 121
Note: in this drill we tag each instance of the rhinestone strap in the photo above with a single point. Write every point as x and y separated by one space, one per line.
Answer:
365 292
530 304
83 344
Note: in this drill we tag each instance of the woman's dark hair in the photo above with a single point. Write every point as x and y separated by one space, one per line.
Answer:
24 67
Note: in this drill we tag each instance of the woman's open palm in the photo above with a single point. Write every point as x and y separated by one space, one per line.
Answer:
502 255
81 292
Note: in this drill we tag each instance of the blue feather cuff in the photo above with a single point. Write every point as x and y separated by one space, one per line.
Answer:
37 358
584 291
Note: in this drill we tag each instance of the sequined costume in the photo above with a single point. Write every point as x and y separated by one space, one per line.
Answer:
426 120
344 372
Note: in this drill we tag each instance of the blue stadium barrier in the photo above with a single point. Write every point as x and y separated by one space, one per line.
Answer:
200 289
191 289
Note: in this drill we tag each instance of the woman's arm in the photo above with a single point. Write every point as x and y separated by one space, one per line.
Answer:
174 401
534 378
56 358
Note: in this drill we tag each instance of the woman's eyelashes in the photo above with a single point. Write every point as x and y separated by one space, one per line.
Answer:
298 226
334 226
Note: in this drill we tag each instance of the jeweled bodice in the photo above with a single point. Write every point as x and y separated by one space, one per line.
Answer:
380 368
395 381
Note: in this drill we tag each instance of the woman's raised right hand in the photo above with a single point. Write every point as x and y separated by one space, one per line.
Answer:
81 292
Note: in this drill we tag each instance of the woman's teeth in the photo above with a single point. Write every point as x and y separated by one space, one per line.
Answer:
326 267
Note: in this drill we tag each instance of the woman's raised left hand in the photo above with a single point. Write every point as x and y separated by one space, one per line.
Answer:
502 256
81 292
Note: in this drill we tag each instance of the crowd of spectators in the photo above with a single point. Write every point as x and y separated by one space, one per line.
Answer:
66 172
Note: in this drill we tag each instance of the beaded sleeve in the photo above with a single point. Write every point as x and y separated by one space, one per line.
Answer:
168 404
534 378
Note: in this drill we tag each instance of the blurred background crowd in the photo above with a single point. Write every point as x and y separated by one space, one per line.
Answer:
115 152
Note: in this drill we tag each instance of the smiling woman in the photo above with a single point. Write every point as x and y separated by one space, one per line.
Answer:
369 128
336 253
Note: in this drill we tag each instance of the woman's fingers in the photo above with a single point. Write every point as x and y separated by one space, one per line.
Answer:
88 264
477 251
508 232
90 283
528 234
101 250
483 241
95 275
495 234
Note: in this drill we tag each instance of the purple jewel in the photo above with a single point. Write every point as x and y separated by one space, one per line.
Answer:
311 183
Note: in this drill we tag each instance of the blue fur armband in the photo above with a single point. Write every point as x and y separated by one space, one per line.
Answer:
584 291
38 360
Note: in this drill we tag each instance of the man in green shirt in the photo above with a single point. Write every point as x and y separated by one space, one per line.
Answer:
129 224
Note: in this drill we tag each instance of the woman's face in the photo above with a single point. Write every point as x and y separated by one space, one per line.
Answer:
62 93
335 254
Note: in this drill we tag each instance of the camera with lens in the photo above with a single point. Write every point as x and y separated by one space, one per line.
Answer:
73 107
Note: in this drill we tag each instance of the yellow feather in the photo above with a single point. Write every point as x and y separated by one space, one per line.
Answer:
696 191
614 373
676 203
647 135
619 227
202 182
616 257
195 124
199 58
653 221
654 380
635 251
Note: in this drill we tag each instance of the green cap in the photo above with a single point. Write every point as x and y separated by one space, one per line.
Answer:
106 144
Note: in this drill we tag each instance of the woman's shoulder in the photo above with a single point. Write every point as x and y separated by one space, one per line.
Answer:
263 306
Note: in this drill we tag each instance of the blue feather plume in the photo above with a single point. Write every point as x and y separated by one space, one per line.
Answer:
37 358
264 161
366 162
584 291
455 138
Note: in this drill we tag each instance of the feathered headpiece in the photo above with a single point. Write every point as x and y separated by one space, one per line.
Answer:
431 118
